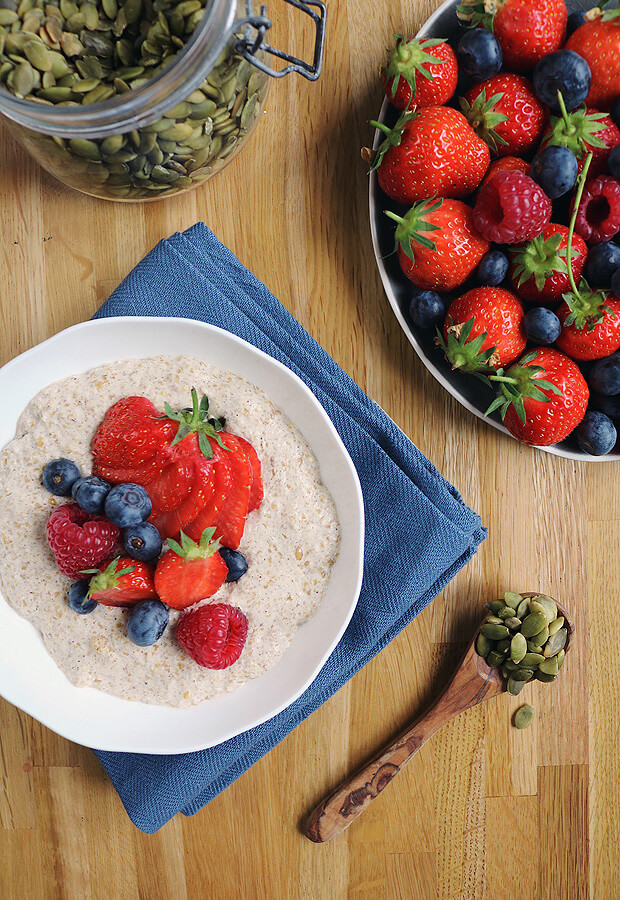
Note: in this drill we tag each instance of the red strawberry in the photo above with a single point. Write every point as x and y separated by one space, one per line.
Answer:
543 397
598 41
230 520
431 153
172 485
483 328
526 30
123 582
422 72
590 324
506 164
505 112
190 571
584 131
598 212
80 541
222 486
256 483
437 243
539 270
132 433
214 635
170 523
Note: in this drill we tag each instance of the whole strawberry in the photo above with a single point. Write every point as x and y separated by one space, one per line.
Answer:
431 153
483 328
423 72
213 635
526 30
123 582
190 571
437 244
583 131
542 398
590 324
539 269
598 42
505 112
80 541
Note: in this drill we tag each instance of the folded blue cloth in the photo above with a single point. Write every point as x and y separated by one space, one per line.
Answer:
419 533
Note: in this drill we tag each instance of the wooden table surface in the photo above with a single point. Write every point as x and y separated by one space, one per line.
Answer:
483 810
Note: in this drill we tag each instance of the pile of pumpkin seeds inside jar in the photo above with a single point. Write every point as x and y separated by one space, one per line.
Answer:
525 638
70 53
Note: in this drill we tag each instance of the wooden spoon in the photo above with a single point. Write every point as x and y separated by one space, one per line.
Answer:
472 683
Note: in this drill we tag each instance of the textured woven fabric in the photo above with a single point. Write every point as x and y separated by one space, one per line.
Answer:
419 532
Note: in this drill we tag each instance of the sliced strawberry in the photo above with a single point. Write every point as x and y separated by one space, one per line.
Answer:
170 523
190 571
230 521
256 482
131 433
222 483
123 582
172 485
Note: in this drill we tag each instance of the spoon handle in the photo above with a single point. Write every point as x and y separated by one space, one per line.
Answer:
467 688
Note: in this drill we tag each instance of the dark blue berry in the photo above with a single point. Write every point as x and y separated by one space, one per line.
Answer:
90 493
127 504
59 476
615 112
563 71
78 599
575 20
147 622
492 268
605 375
615 283
555 170
603 260
427 309
236 562
613 161
142 541
479 54
541 325
610 405
596 434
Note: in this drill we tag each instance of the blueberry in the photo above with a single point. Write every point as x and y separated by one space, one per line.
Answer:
479 54
603 260
147 622
575 20
555 170
90 493
492 268
615 112
613 161
615 283
59 476
610 405
127 504
142 541
427 309
236 562
596 433
605 375
78 601
563 71
541 325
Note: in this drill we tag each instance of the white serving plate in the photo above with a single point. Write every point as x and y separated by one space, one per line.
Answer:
469 391
28 676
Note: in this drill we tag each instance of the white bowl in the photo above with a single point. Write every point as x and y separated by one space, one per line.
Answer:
28 676
469 391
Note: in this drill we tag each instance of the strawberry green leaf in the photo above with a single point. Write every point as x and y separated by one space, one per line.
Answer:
409 58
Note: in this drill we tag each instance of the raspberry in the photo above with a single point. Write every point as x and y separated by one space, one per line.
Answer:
598 216
214 635
79 541
511 208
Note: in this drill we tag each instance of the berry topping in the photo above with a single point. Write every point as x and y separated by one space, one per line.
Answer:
479 54
427 309
598 41
563 72
89 493
511 208
596 433
583 131
598 213
59 476
493 268
147 622
603 261
122 582
214 635
605 376
127 504
505 112
541 325
539 268
236 563
78 599
590 324
142 541
555 170
190 571
420 72
79 541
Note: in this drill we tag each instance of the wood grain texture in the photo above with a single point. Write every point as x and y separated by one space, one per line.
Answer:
482 812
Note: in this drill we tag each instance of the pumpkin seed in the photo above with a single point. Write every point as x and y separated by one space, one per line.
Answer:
494 631
543 676
506 612
523 674
495 659
545 605
540 638
524 716
532 660
512 599
549 666
555 643
523 608
515 686
533 624
483 645
518 647
512 623
556 625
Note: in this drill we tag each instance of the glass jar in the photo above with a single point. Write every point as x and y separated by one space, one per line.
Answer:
135 100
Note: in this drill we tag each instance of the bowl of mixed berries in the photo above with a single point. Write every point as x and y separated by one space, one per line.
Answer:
496 160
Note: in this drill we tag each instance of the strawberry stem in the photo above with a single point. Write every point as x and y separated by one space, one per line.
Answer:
571 225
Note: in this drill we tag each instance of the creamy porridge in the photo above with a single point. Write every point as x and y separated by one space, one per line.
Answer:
290 542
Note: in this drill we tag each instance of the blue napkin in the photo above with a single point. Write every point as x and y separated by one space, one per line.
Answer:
419 533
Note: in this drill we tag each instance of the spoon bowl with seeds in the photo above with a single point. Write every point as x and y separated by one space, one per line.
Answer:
524 637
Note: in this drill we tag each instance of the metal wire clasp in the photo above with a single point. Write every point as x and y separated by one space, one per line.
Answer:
256 27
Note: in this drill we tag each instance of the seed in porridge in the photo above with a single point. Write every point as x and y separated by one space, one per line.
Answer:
78 598
298 553
127 504
59 476
89 493
142 541
147 622
236 563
